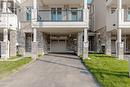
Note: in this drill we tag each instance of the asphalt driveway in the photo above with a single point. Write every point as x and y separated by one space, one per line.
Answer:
53 70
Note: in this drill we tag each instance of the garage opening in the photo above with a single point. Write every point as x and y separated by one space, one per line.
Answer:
58 45
63 43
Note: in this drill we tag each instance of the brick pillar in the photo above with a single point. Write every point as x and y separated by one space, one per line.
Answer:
21 42
80 43
5 45
34 44
13 41
40 42
108 43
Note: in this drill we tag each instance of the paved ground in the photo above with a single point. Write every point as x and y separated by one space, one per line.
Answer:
53 70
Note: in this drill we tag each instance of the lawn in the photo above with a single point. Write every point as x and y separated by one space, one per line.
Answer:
7 67
108 71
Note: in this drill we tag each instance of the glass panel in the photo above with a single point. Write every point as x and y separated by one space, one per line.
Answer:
53 14
74 14
128 15
28 14
59 14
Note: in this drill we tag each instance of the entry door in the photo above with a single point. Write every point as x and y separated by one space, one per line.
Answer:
58 45
28 42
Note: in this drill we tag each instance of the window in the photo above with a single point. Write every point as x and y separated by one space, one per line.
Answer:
74 14
56 14
28 14
113 10
128 14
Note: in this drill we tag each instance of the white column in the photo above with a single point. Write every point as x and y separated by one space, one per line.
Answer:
85 47
85 35
108 43
119 4
119 7
85 4
4 10
5 39
34 35
119 35
85 12
120 45
34 11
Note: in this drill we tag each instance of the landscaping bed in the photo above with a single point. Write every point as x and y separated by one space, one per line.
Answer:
6 67
108 71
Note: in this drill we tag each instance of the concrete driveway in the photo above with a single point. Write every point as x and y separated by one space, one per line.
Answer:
53 70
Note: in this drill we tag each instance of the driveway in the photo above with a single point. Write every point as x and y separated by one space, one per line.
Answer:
53 70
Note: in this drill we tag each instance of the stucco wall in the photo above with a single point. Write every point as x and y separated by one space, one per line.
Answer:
100 13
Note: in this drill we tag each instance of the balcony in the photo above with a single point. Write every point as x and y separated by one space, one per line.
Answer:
8 20
60 16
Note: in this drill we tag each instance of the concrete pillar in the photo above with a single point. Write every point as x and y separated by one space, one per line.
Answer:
34 35
108 43
21 40
119 7
85 12
5 45
5 35
4 5
40 42
34 11
80 43
13 41
119 4
120 45
86 43
34 44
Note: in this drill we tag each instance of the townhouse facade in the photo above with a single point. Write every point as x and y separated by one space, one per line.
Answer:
110 21
38 27
8 26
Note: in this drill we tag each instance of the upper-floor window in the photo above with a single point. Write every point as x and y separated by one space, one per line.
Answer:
113 10
56 14
128 14
28 14
74 14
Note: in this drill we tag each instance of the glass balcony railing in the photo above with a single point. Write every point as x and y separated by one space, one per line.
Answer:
60 15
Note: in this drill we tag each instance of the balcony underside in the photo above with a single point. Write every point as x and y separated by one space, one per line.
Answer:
114 2
60 30
61 2
60 25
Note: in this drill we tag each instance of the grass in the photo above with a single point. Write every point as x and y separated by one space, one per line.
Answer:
108 71
8 67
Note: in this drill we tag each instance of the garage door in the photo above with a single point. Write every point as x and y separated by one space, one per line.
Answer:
58 45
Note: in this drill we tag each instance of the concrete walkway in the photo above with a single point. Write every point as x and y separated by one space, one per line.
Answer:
53 70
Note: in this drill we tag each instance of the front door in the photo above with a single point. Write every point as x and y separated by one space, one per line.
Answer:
58 45
28 42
